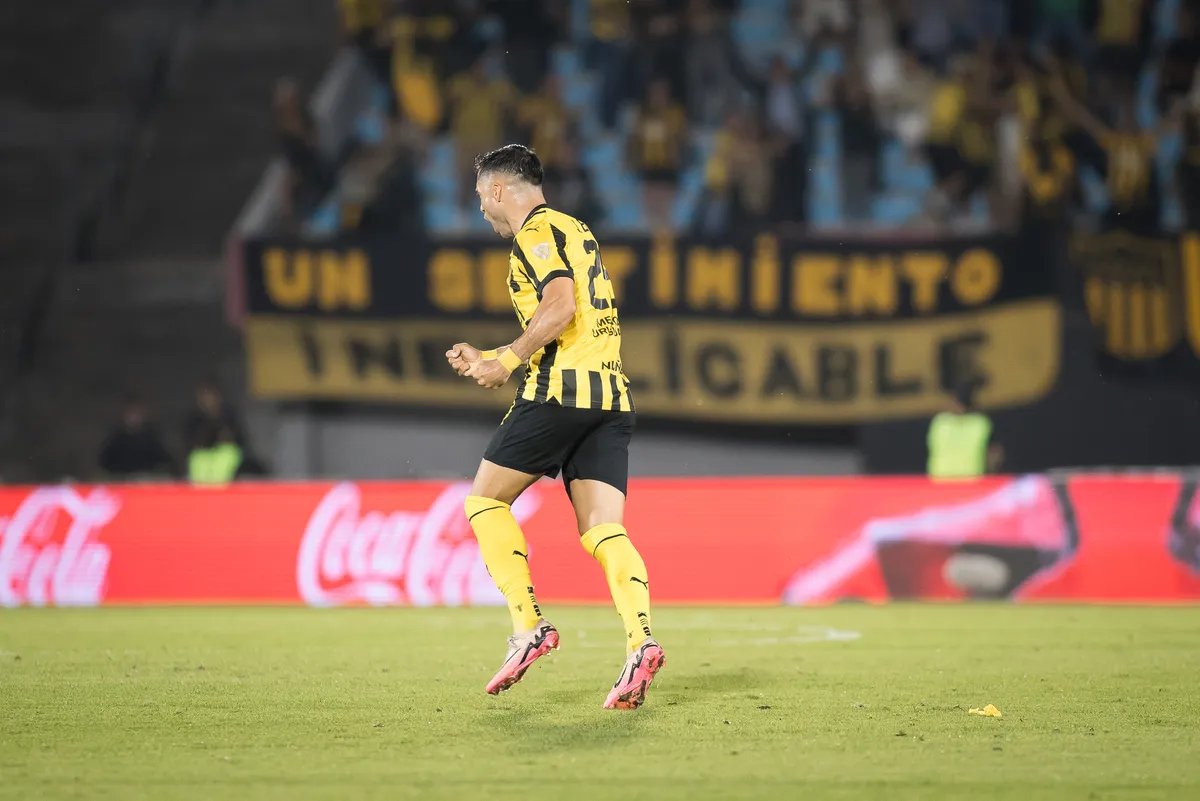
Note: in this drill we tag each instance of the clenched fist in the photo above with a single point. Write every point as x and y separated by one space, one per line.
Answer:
462 356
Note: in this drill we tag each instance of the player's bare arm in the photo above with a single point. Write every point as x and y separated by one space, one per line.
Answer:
551 319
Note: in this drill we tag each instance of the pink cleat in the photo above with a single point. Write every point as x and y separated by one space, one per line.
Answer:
640 668
523 650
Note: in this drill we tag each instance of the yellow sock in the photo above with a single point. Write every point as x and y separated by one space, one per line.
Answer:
506 555
627 578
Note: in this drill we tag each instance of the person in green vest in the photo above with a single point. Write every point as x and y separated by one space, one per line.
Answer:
960 440
217 463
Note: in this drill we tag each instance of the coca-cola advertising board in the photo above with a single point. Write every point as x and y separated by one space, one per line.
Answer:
705 541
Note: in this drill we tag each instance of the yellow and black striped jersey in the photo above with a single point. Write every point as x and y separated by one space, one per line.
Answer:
1130 169
582 368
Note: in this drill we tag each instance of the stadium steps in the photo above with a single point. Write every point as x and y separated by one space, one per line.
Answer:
825 196
825 186
61 124
760 29
113 328
691 182
618 188
436 177
73 54
214 133
906 183
70 81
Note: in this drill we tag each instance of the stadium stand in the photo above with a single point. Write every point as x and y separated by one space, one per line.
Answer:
876 113
824 115
127 162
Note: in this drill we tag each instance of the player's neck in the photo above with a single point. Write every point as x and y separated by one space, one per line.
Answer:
522 210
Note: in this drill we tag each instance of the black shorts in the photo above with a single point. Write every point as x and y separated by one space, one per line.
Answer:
544 438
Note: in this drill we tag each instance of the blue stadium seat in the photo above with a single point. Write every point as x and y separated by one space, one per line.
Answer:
474 221
759 28
825 197
370 128
566 61
824 177
628 215
791 50
825 172
1146 95
379 98
437 175
916 179
1165 27
691 183
489 29
980 210
1170 149
828 135
831 61
900 175
891 210
1095 196
602 154
437 185
441 217
580 16
580 90
1172 213
326 220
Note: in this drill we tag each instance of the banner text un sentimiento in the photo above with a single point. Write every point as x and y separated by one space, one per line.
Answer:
762 330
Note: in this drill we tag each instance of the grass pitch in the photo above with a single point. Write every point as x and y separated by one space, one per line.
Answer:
838 703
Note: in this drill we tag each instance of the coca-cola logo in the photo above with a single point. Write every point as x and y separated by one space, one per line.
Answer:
423 557
49 548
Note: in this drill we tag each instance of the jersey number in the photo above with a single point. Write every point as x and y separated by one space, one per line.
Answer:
597 271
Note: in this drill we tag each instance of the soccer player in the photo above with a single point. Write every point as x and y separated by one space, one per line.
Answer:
573 413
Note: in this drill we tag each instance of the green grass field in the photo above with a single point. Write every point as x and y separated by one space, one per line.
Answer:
1098 703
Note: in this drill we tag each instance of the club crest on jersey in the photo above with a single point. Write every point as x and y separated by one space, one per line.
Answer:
542 250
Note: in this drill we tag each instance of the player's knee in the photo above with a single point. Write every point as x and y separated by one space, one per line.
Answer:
596 504
477 504
592 518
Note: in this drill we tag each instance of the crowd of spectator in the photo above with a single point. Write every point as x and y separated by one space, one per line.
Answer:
215 447
1005 105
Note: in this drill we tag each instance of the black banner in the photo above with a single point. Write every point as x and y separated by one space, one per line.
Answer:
1142 295
764 330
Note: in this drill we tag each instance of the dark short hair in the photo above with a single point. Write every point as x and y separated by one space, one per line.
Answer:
515 160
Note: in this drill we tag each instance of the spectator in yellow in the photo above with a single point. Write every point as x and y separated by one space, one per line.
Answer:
655 148
543 119
946 109
1126 153
414 74
960 440
360 18
217 463
713 216
480 105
